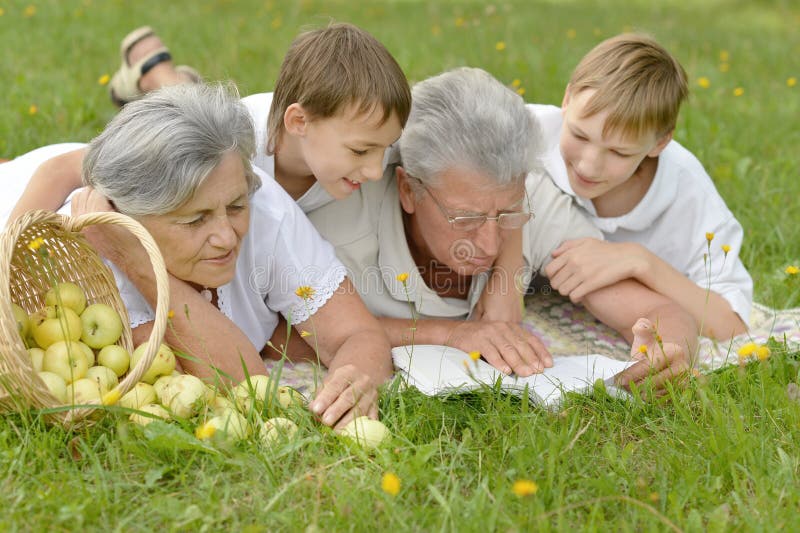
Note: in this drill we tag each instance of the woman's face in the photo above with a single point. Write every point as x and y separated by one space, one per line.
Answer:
200 240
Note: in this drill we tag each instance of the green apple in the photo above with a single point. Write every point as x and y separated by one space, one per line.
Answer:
184 395
88 352
229 426
104 376
67 359
368 433
83 391
254 394
101 326
23 323
53 324
277 429
55 384
150 408
160 385
141 394
114 357
37 358
67 294
163 363
288 396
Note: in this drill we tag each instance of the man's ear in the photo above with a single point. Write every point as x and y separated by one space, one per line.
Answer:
408 199
661 144
295 120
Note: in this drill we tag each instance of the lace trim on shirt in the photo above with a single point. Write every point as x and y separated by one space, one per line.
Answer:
222 302
136 319
303 310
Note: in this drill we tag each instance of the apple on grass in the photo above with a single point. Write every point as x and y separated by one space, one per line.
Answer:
184 395
276 429
67 294
152 409
23 323
114 357
366 432
55 384
67 359
228 426
255 393
163 363
101 325
53 324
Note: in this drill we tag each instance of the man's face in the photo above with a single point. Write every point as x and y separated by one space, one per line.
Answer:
458 193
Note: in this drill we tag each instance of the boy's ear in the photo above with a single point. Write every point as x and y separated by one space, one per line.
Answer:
565 100
408 199
661 144
295 120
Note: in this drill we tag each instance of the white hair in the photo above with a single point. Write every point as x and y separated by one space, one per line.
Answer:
465 118
157 151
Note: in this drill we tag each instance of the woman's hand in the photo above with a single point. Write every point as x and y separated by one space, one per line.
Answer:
582 266
346 393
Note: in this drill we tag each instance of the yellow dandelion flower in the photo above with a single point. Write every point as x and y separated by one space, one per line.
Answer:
654 497
104 79
571 33
724 55
747 349
390 484
516 83
474 355
111 397
436 29
305 292
500 46
29 11
524 487
205 431
460 22
792 270
709 236
305 334
402 277
276 23
521 91
703 82
170 314
2 11
738 91
724 67
763 352
596 32
33 109
791 82
726 248
35 244
643 348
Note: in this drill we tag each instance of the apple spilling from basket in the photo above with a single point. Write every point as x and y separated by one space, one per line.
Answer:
73 348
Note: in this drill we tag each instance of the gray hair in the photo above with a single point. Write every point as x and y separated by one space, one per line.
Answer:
467 119
152 157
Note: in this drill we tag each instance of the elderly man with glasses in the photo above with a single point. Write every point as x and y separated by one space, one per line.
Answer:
463 189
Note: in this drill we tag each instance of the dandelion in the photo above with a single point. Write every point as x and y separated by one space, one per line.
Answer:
521 91
111 397
390 484
763 352
436 29
474 355
597 32
305 334
33 109
724 67
791 82
792 270
654 497
738 91
709 236
170 314
276 23
643 348
726 248
724 56
305 292
703 82
500 46
402 277
460 22
205 431
747 349
29 11
524 487
35 244
516 83
2 11
571 33
104 79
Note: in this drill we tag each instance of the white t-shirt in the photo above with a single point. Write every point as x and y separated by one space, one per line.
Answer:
258 105
672 219
281 252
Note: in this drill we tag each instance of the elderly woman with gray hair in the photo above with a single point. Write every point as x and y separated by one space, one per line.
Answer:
236 246
464 193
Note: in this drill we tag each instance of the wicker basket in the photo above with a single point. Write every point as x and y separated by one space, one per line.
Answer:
69 258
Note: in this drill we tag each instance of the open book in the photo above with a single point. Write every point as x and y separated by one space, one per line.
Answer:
441 370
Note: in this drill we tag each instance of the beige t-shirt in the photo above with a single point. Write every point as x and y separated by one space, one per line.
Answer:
367 231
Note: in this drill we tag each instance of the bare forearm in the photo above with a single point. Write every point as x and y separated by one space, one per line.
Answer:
367 351
403 331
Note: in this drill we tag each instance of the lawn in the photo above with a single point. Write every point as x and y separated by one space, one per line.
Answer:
720 455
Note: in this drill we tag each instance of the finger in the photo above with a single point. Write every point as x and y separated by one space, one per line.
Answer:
566 246
676 374
530 362
539 348
494 358
554 267
331 389
373 410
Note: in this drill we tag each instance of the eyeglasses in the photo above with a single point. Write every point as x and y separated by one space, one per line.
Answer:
513 220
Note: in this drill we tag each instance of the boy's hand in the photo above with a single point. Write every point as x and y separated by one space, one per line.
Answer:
505 345
347 392
582 266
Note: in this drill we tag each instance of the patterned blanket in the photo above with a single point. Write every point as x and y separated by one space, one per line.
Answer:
568 329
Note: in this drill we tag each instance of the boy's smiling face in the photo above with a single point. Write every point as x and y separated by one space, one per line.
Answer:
597 164
345 150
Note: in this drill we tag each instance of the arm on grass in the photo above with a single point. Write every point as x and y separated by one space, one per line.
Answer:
582 266
501 299
51 183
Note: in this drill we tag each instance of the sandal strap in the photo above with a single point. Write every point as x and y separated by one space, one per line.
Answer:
154 60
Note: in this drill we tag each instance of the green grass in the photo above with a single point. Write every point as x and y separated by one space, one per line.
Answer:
720 455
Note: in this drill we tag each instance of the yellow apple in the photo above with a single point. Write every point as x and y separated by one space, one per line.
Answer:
288 396
114 357
67 359
37 358
160 386
229 426
83 391
163 364
141 394
53 324
88 352
55 384
23 324
276 429
101 325
255 394
67 294
184 395
366 432
150 408
104 376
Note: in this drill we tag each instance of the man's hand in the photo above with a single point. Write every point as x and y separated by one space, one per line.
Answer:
347 392
505 345
658 362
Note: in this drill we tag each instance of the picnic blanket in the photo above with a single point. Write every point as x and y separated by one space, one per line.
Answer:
569 329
